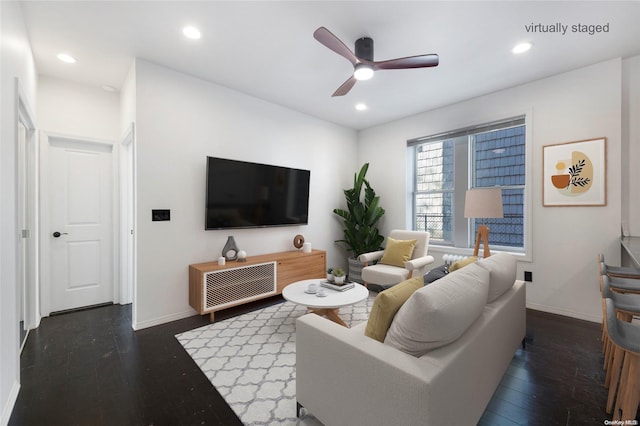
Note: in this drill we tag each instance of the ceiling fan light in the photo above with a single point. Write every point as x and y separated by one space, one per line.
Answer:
363 72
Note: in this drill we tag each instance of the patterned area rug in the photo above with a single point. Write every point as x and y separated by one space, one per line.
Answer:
251 360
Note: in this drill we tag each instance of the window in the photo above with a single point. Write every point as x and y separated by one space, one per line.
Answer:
446 165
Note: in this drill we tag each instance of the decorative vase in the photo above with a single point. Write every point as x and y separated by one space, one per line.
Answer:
230 249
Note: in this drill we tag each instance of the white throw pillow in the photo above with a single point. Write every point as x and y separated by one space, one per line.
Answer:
502 268
441 312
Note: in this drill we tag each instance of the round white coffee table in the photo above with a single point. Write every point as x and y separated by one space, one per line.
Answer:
328 305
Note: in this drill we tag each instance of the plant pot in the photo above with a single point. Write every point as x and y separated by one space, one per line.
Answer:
355 270
339 280
330 277
560 181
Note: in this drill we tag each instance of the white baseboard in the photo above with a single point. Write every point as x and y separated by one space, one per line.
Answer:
162 320
11 402
564 312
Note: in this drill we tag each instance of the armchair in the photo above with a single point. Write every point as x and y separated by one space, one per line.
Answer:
387 275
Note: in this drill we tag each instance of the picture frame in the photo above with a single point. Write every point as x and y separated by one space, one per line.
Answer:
575 173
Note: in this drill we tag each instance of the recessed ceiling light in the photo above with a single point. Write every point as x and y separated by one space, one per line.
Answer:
65 57
191 32
361 107
522 47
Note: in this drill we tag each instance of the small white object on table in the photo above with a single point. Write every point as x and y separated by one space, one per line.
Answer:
328 305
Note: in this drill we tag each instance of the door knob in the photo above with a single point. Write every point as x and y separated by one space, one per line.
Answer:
57 234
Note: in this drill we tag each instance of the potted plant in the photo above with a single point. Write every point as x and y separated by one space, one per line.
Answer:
330 274
338 275
360 234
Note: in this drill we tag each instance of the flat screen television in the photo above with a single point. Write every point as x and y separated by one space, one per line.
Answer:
241 194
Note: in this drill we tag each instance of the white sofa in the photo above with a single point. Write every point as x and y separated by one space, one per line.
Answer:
346 378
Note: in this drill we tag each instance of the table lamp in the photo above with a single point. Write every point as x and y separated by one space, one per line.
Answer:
483 203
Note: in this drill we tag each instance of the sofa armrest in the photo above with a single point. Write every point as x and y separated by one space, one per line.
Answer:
419 262
370 257
344 377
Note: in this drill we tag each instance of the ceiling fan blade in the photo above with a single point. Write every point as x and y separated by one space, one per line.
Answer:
346 86
327 38
420 61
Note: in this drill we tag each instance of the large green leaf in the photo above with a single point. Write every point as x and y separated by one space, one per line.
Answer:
359 219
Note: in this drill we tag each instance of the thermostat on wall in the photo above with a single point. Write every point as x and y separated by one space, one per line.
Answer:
158 215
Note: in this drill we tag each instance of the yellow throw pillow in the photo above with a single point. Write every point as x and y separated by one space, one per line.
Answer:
462 263
387 304
398 252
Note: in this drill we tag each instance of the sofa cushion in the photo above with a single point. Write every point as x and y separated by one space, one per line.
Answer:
435 274
462 263
386 305
398 252
441 312
502 269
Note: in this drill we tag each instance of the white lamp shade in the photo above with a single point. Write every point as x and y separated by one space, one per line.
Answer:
483 203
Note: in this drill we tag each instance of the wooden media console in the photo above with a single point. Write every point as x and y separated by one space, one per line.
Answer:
214 287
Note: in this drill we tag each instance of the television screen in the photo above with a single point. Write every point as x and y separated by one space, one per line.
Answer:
246 195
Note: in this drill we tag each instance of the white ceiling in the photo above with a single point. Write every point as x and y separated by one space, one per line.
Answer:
266 48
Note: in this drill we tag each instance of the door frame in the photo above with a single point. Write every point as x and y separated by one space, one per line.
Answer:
27 169
45 228
128 218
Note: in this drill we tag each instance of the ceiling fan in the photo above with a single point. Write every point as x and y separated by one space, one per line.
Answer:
362 59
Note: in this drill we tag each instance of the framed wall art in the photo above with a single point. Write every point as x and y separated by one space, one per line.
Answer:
574 174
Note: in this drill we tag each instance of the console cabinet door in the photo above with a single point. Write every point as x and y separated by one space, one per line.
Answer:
300 268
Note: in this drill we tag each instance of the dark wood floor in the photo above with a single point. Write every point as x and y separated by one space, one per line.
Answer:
90 368
557 380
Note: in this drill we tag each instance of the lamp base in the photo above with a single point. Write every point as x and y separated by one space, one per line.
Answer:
483 234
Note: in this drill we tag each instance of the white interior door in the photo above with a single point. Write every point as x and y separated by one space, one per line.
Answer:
23 226
80 223
27 280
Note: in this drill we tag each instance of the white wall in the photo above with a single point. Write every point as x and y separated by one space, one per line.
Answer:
577 105
180 120
74 109
17 61
631 144
128 100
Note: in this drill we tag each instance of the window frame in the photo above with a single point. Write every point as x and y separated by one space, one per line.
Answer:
525 119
